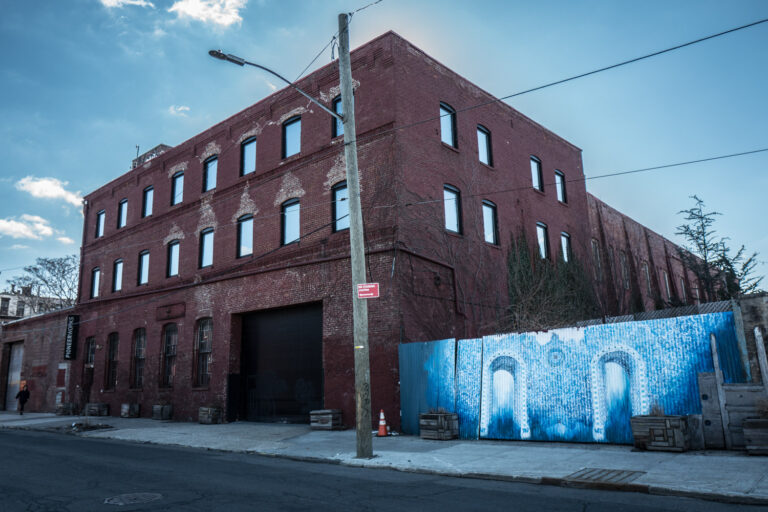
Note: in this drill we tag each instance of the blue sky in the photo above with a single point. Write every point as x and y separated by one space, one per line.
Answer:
82 82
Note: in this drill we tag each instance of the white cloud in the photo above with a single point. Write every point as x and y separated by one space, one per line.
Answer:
49 188
65 240
219 12
270 85
28 226
178 110
19 247
122 3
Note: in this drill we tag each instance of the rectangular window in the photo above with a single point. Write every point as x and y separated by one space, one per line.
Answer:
560 187
696 295
95 278
338 125
143 274
206 248
5 305
484 145
245 236
209 173
100 217
647 274
624 269
170 342
292 136
172 268
452 207
177 188
122 214
90 351
146 202
340 207
117 276
19 308
596 260
536 179
291 221
565 246
203 348
683 295
542 237
666 284
139 356
248 156
448 125
490 223
111 373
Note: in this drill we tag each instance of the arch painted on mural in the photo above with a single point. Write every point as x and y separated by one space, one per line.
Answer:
512 362
635 367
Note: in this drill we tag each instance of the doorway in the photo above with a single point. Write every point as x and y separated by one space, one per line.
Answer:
282 364
14 375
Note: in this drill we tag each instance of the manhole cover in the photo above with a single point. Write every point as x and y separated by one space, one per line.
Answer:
133 498
604 476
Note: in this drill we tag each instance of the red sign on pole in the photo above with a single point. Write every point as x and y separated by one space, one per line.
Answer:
368 291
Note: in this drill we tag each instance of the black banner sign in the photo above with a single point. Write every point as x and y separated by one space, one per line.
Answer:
70 338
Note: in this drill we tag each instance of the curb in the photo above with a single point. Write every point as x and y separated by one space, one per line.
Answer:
731 498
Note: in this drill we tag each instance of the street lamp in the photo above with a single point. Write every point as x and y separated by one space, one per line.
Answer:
356 236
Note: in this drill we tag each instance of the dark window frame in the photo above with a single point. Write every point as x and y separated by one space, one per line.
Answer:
539 174
547 251
101 220
89 351
174 185
337 126
203 353
246 142
141 268
567 250
138 357
454 135
283 208
110 373
95 283
169 258
201 249
288 122
560 187
147 206
596 259
488 145
115 288
457 207
240 223
168 351
206 173
495 212
122 213
342 185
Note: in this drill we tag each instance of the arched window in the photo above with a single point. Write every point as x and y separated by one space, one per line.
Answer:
139 355
337 128
111 370
177 188
203 349
340 207
248 156
292 136
209 173
168 366
448 125
291 222
452 207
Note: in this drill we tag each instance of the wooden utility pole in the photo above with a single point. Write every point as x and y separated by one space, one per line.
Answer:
356 250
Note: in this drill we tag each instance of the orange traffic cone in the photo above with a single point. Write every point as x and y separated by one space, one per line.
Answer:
382 425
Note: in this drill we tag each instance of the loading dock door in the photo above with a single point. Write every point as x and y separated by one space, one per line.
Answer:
282 364
14 375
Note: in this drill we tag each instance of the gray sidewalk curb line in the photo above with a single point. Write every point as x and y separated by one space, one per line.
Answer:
657 490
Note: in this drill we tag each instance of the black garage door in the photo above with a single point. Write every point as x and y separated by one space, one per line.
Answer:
282 364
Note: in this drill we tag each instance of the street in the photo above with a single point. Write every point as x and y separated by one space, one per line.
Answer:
55 472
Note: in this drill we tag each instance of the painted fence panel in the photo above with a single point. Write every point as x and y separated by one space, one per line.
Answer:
427 380
579 384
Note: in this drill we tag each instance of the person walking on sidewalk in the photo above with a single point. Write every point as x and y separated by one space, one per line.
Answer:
22 396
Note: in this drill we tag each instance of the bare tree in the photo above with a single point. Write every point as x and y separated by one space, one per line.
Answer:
51 277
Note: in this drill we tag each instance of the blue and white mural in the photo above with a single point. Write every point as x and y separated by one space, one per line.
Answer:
576 384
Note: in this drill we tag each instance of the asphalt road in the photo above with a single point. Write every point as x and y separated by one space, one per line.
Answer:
42 471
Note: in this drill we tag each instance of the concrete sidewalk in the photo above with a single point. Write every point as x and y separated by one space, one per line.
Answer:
713 475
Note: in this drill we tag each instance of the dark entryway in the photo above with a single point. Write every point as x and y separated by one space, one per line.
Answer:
282 364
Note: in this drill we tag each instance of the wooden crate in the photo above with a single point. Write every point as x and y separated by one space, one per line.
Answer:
756 436
325 419
209 415
96 409
162 412
661 433
439 426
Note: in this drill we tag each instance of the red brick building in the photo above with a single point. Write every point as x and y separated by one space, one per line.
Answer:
216 272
